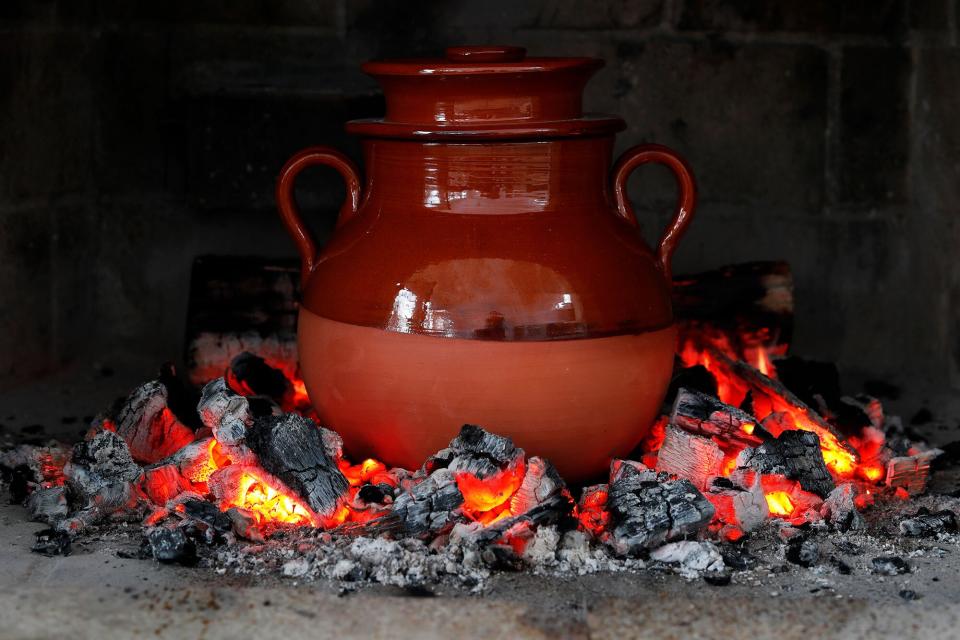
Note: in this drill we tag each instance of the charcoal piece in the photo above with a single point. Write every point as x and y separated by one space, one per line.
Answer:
692 557
850 417
926 523
795 455
209 514
48 504
225 412
481 453
162 483
148 426
244 524
541 483
182 397
689 456
293 449
769 396
717 579
51 542
909 594
705 415
250 375
648 509
172 546
840 509
18 479
890 565
842 567
911 472
737 558
745 509
372 494
805 553
429 507
101 461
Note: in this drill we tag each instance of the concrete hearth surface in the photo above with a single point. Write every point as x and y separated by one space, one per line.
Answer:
100 592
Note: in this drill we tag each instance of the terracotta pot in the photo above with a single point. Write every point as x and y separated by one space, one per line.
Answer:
488 268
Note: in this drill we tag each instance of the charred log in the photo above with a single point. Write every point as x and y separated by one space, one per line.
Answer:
795 455
648 509
705 415
292 448
686 455
150 428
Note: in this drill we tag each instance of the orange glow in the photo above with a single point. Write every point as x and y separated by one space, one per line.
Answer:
872 472
779 503
729 466
748 428
359 474
271 505
591 513
487 500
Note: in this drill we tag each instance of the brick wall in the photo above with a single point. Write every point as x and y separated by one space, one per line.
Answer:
135 135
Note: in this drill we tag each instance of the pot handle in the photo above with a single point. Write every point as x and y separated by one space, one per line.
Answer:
286 202
686 198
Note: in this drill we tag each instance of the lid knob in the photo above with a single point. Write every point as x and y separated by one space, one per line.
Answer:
484 54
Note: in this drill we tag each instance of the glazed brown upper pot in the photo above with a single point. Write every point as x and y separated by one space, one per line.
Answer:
487 268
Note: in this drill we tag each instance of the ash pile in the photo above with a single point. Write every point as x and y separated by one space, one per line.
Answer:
759 465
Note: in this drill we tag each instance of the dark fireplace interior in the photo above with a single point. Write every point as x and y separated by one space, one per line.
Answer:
139 147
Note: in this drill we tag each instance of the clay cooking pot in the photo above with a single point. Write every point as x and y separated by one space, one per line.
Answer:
488 268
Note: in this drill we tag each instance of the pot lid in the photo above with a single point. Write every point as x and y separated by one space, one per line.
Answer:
484 92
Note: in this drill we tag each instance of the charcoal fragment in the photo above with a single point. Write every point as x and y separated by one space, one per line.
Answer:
149 427
294 449
717 579
909 594
649 509
172 546
252 376
795 455
371 493
208 513
805 553
48 504
890 565
840 509
481 453
926 523
51 542
842 567
427 509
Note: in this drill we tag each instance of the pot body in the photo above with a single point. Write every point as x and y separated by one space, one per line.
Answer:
498 283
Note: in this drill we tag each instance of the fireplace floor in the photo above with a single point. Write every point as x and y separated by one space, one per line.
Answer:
96 592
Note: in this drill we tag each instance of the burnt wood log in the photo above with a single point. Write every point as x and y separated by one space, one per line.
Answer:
686 455
769 396
705 415
911 472
795 455
648 509
293 449
149 427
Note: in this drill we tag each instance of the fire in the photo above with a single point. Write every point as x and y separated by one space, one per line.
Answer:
488 500
269 504
779 503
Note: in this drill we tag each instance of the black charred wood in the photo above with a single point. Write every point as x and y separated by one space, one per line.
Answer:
926 523
428 508
481 453
805 553
51 542
251 375
172 546
890 565
149 427
705 415
695 378
48 504
208 513
794 454
292 448
648 509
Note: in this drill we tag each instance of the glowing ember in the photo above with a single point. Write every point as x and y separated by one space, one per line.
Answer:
269 504
779 503
488 500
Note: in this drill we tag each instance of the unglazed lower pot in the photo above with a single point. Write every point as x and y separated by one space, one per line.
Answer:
489 270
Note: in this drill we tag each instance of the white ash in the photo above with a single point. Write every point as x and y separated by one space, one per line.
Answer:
692 558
